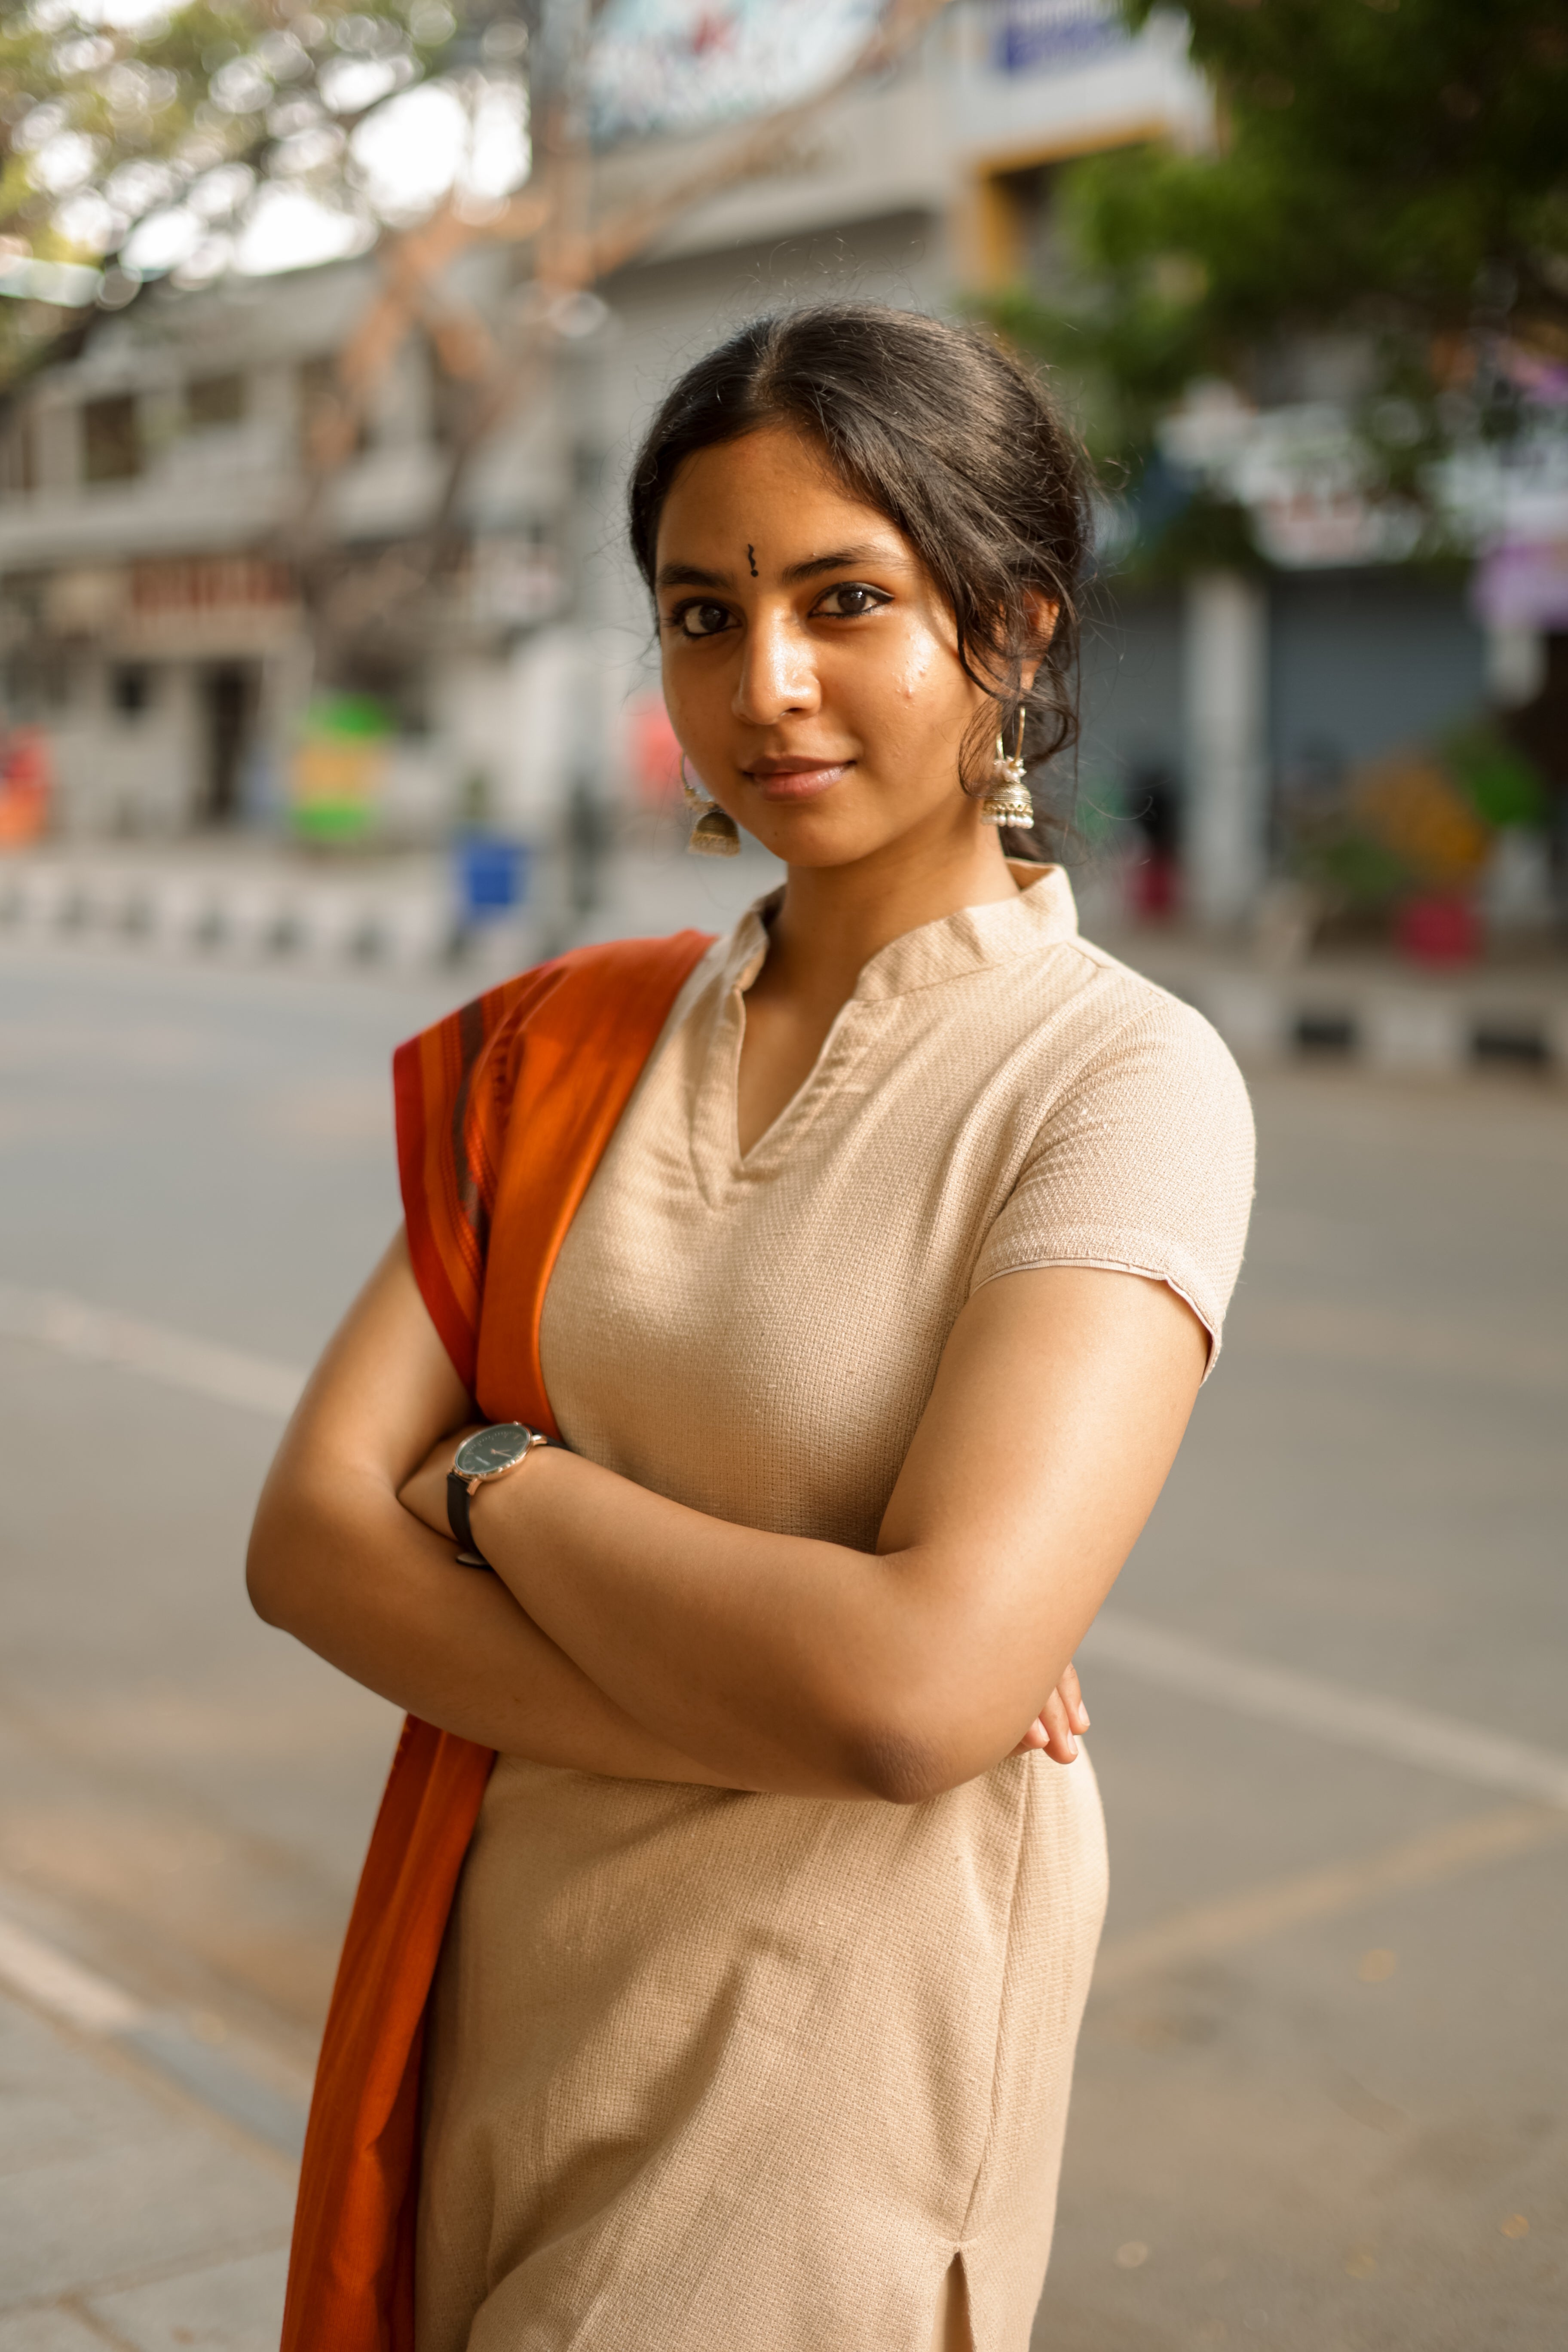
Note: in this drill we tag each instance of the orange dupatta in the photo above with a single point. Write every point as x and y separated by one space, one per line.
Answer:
503 1112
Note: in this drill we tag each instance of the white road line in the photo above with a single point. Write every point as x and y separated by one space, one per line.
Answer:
71 1327
63 1986
1352 1718
1433 1858
48 1979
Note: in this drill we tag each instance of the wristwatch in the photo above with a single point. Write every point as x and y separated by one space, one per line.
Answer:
481 1459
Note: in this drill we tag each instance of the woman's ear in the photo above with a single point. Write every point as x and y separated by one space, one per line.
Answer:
1044 612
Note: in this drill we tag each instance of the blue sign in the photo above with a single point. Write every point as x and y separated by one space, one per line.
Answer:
1046 35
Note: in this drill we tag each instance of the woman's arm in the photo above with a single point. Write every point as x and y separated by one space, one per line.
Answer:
335 1559
787 1664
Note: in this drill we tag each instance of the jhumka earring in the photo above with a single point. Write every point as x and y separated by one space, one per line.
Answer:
715 832
1007 800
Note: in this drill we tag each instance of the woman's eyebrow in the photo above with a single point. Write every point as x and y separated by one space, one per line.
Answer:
690 575
693 575
871 551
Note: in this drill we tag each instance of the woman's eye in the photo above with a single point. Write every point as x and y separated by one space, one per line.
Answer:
702 620
849 600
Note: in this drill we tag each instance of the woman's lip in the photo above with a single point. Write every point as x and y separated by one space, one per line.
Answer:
798 783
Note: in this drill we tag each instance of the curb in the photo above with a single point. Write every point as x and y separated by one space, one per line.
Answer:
251 918
1380 1021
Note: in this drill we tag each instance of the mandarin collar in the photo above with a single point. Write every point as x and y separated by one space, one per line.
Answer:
971 939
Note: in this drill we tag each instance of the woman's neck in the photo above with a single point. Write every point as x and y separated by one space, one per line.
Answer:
833 920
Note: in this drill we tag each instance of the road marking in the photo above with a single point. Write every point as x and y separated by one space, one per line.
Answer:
1352 1718
1259 1912
71 1327
49 1980
62 1987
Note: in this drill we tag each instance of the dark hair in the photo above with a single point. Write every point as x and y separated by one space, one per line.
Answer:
954 441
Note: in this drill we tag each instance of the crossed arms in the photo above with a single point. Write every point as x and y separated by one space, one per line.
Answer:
627 1636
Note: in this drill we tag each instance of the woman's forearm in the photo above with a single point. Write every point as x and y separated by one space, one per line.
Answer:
769 1656
904 1671
356 1577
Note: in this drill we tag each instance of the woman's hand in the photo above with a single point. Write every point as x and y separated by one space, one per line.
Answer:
424 1494
1063 1715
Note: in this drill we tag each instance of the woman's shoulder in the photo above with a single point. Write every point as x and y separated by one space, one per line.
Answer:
1141 1150
1100 1021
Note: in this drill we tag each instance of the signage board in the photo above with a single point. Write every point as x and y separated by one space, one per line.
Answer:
680 65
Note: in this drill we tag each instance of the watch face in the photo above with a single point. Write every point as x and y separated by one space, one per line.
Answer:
489 1449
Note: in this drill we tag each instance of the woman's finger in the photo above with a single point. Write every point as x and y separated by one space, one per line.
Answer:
1072 1698
1061 1745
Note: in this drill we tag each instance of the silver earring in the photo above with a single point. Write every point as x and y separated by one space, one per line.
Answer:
715 832
1007 800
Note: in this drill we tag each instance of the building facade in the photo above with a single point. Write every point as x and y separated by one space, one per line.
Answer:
153 632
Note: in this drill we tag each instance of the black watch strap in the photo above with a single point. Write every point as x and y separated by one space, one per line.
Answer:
468 1553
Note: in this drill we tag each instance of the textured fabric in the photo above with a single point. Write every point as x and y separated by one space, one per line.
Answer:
504 1107
712 2072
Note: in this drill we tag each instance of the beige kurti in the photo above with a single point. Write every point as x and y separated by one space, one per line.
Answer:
714 2072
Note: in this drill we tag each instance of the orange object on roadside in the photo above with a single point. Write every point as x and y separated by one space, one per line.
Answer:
26 781
504 1110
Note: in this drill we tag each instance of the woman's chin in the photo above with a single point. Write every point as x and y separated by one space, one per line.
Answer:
817 833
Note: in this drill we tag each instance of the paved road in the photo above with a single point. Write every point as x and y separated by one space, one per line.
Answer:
1321 2092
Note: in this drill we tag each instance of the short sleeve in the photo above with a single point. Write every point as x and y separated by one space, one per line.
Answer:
1144 1165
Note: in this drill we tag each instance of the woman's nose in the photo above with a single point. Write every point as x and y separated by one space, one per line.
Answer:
777 674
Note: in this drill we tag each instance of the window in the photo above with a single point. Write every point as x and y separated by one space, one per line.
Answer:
215 400
110 439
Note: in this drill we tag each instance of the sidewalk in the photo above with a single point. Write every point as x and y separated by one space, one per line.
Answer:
144 2199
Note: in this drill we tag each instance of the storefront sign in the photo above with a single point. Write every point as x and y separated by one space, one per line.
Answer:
1048 35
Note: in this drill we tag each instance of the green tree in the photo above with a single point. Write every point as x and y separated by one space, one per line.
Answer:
115 117
1393 170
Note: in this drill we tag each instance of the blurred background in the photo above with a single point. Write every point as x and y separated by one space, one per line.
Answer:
329 694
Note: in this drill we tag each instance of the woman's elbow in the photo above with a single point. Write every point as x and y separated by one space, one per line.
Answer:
910 1756
282 1560
266 1570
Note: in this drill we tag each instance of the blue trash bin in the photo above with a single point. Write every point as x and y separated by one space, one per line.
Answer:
492 877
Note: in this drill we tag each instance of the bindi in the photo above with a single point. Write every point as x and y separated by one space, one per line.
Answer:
752 560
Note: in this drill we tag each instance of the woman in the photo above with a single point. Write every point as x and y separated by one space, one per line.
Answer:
755 2010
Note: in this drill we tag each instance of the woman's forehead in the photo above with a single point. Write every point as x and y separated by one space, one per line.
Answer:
772 486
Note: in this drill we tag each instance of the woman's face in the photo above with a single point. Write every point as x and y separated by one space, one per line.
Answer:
811 667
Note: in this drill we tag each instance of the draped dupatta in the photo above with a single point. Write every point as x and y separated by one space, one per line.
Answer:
503 1112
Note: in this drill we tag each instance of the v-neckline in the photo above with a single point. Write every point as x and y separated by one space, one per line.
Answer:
946 947
747 1163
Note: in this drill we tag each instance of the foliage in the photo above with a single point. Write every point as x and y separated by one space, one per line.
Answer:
1413 820
1390 177
115 117
1502 785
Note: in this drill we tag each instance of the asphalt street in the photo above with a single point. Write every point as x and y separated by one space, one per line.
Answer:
1320 2100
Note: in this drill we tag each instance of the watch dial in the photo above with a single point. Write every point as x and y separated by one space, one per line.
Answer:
489 1449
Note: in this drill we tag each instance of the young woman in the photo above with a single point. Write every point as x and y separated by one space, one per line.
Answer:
871 1341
